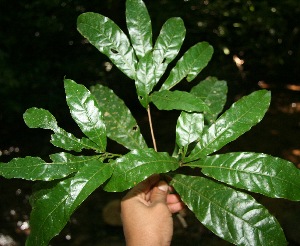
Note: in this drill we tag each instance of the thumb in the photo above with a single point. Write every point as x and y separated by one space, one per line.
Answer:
160 192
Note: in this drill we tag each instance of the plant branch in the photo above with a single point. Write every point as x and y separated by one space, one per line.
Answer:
151 128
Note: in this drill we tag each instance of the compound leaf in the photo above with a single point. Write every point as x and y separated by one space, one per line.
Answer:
110 40
230 214
238 119
136 166
214 93
139 27
261 173
120 124
54 202
86 113
190 65
180 100
34 168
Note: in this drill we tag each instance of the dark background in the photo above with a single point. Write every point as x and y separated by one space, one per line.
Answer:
39 46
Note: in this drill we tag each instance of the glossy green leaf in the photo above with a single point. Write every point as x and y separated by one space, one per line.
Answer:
68 141
120 124
238 119
41 118
53 205
190 65
261 173
34 168
189 128
230 214
139 27
214 93
110 40
169 41
86 113
167 45
180 100
146 78
136 166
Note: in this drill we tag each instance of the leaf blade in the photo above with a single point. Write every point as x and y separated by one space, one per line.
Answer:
53 205
214 93
169 41
120 124
188 129
139 27
40 118
34 168
215 205
110 40
238 119
86 113
260 173
146 78
189 65
180 100
68 141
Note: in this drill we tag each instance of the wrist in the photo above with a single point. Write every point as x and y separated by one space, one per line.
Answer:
146 240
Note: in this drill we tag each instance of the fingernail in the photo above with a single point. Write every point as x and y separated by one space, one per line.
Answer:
162 185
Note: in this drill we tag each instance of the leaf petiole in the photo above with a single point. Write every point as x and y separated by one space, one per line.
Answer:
151 128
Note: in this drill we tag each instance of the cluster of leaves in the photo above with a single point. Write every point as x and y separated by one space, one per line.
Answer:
215 197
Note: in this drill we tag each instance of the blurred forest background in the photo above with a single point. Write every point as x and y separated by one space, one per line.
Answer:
256 45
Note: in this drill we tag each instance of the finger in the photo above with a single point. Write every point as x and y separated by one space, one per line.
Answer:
159 193
171 189
175 207
173 198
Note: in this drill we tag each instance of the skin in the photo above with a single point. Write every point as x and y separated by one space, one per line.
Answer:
146 213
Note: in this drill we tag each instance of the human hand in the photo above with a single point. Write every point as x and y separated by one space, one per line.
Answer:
146 213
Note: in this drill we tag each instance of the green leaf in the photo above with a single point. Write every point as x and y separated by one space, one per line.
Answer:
139 27
34 168
214 93
238 119
120 124
86 113
169 41
230 214
167 45
180 100
261 173
53 205
190 65
68 141
110 40
146 78
189 128
41 118
136 166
